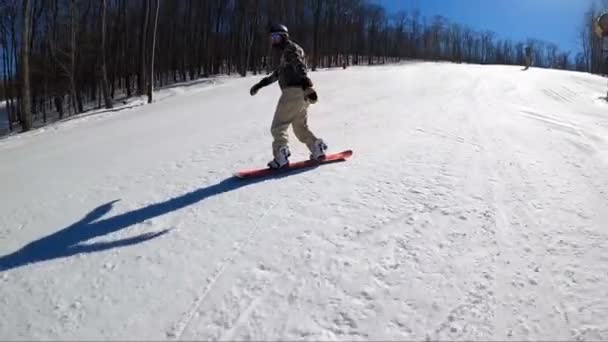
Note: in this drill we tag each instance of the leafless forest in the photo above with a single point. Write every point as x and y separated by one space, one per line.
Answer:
59 58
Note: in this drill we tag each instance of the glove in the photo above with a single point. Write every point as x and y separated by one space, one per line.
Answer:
311 95
254 89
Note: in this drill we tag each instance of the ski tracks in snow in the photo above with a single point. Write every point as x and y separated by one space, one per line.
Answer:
534 207
514 270
182 324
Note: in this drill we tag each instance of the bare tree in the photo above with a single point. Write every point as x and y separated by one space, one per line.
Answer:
317 16
152 53
104 72
26 105
141 83
76 103
586 39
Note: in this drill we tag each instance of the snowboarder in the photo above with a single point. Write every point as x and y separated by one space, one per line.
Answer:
297 94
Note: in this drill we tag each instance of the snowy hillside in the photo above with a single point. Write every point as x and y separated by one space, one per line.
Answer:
475 207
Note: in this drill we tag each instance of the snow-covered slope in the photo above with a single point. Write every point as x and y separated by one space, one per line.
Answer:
475 207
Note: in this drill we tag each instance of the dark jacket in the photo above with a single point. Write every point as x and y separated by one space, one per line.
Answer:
292 70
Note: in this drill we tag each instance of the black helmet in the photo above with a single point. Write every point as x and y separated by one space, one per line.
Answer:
278 28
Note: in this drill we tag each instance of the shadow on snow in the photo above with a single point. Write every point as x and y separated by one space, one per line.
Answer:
69 241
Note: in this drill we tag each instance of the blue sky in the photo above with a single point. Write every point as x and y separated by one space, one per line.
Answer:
556 21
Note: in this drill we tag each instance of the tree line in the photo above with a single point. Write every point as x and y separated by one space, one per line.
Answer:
592 58
62 57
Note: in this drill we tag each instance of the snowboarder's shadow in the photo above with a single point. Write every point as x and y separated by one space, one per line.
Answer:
71 240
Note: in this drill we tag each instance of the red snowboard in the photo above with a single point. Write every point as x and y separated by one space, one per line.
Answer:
330 158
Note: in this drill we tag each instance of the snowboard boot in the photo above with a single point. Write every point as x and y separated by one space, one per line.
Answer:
281 160
318 150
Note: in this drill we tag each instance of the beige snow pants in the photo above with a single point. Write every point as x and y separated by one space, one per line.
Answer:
292 109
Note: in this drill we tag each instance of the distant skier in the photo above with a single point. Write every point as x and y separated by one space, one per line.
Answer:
297 94
528 57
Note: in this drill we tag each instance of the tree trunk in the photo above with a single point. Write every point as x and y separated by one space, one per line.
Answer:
8 99
252 30
315 54
73 90
26 104
125 48
5 70
151 84
104 73
141 84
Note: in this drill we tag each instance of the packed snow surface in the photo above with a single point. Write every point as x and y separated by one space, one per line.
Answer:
475 207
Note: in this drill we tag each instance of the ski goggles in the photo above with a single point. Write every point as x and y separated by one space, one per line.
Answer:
276 37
